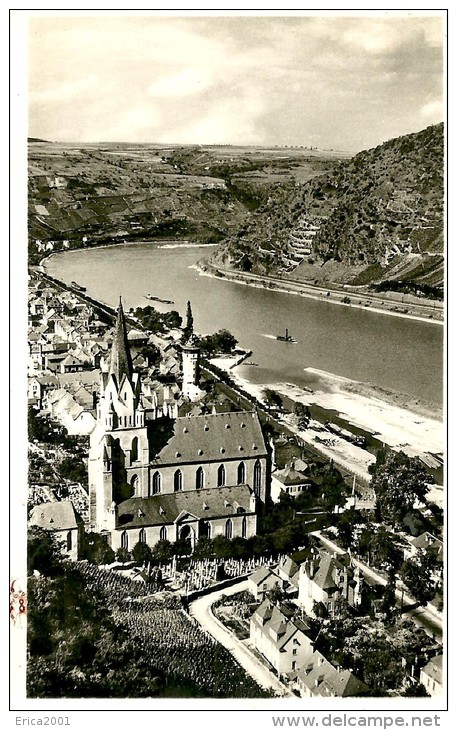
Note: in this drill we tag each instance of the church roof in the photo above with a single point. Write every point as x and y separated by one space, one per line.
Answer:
213 437
121 360
164 509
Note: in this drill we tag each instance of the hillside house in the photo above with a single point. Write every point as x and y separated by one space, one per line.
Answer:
283 639
263 581
328 579
289 480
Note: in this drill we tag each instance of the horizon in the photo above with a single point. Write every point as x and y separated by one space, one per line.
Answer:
161 145
320 81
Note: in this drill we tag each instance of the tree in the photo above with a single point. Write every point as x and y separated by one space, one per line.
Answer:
272 399
415 690
189 328
220 342
399 482
347 522
43 554
334 489
162 551
72 469
204 548
384 551
97 550
142 553
417 575
388 601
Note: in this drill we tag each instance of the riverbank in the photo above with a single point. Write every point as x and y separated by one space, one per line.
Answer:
332 296
166 243
417 430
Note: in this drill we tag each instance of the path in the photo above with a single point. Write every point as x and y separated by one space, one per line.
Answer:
200 609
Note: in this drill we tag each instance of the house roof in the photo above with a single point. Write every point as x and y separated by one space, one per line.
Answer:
164 509
324 679
343 684
324 575
289 476
55 516
215 437
427 541
261 575
265 609
288 566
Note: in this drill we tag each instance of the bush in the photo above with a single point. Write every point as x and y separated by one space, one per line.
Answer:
142 553
122 555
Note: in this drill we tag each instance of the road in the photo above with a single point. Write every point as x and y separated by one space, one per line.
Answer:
200 609
429 311
421 616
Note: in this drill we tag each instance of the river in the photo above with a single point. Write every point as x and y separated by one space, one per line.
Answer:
396 354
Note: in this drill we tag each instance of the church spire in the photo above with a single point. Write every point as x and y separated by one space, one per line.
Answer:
121 360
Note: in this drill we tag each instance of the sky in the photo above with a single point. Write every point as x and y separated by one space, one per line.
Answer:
346 83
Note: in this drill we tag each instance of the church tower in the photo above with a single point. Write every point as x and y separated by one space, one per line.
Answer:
190 361
119 444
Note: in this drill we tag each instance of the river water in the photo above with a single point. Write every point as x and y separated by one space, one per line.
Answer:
397 354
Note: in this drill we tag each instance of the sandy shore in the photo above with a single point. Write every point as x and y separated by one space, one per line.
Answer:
309 292
398 427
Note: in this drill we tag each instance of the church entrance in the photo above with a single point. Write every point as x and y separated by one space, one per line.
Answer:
187 539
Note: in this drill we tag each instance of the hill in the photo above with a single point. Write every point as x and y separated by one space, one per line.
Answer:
376 219
92 194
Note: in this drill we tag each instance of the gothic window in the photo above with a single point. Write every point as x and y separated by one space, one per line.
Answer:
156 483
142 535
125 540
205 529
257 477
134 450
241 473
177 480
221 476
229 529
69 540
244 527
163 533
199 478
134 485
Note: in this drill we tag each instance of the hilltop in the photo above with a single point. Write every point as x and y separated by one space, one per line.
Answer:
83 195
375 219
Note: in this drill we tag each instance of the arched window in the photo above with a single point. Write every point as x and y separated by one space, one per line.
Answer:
156 483
244 527
177 480
229 529
241 473
142 535
125 540
221 476
69 540
257 477
205 529
163 533
134 484
199 478
134 450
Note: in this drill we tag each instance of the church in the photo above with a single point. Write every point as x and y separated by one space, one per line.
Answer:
154 475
